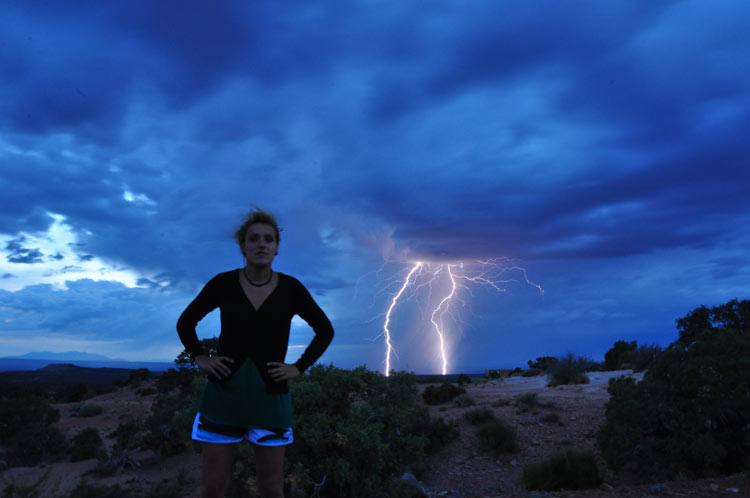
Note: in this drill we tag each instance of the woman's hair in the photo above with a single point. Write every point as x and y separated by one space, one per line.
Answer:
256 216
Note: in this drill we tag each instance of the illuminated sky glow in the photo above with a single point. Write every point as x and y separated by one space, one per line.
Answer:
600 145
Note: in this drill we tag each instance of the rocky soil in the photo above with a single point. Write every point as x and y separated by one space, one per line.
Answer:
459 470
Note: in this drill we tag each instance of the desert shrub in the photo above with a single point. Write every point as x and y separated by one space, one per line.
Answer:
87 410
445 392
86 490
74 393
463 401
139 375
690 414
516 372
440 433
526 401
479 416
566 470
26 428
25 411
86 444
621 352
463 379
498 437
502 402
181 379
168 426
127 434
35 444
542 363
19 491
569 370
552 418
356 431
642 358
166 488
120 458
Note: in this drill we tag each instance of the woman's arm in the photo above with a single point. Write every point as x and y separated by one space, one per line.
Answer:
205 302
310 312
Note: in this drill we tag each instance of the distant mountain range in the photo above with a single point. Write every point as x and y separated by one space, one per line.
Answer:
36 360
65 356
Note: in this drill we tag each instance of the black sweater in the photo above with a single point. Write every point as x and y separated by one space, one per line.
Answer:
261 335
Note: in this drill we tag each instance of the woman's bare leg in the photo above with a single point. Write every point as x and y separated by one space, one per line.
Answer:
269 464
217 468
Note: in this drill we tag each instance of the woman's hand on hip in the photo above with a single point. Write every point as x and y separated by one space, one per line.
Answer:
214 364
281 371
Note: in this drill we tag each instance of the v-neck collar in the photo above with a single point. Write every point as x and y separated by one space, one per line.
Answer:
247 298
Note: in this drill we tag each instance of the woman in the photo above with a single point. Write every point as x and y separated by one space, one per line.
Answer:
247 396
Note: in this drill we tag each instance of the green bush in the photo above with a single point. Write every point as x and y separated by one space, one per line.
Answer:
621 352
35 444
166 488
26 427
463 401
74 393
87 410
25 411
463 379
445 392
569 370
16 491
479 416
567 470
357 429
168 426
86 490
542 363
87 444
690 415
127 434
642 358
526 402
172 379
440 433
552 418
498 437
139 375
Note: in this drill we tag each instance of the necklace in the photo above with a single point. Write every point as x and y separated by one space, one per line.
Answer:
244 272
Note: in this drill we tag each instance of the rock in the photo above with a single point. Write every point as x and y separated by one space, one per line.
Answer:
414 482
657 489
539 494
732 490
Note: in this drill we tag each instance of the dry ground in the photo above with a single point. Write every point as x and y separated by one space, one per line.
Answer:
459 470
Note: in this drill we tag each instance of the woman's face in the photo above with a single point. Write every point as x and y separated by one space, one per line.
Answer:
260 244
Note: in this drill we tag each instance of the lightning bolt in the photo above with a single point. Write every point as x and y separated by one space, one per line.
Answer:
386 330
491 273
439 327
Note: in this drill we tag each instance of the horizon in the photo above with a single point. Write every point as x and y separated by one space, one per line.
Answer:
561 180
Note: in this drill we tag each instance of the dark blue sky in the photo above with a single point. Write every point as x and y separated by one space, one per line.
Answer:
602 146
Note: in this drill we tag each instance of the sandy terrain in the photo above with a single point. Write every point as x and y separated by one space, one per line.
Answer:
458 470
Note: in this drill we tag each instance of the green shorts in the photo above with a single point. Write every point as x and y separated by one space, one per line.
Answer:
242 401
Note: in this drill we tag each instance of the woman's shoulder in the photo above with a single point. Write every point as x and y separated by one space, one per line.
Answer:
224 277
289 280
